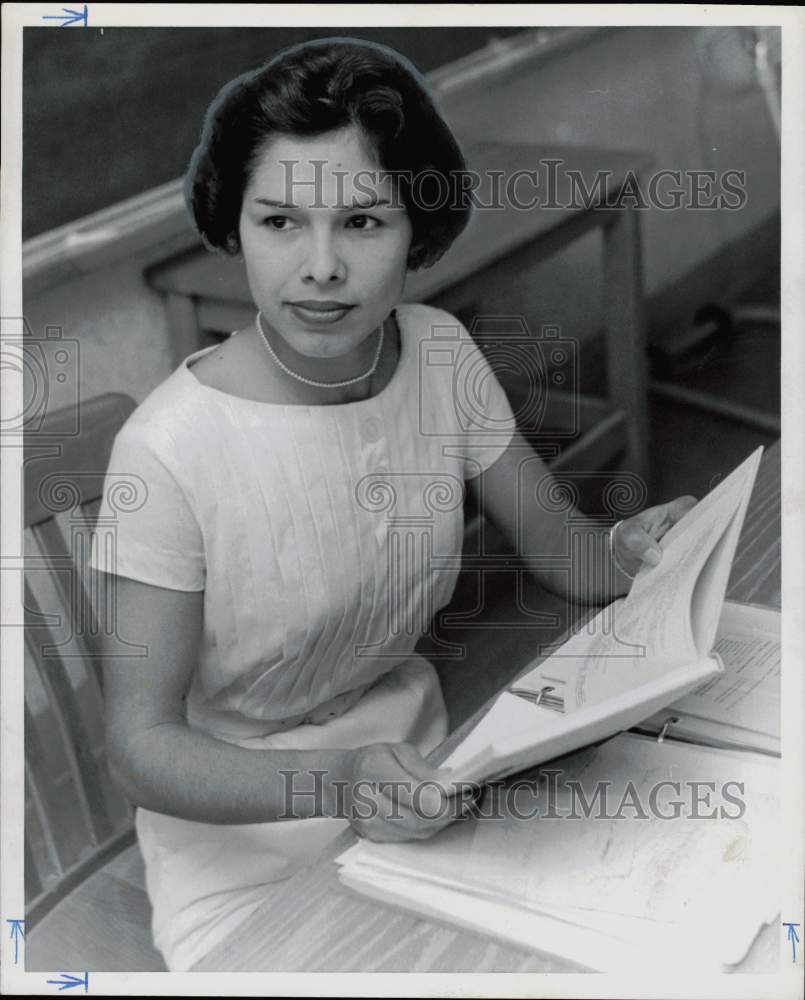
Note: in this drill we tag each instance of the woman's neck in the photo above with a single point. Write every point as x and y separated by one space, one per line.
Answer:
355 367
242 367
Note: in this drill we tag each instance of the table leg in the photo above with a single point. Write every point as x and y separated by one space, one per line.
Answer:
625 336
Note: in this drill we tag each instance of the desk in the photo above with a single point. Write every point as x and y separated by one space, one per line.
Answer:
209 292
313 924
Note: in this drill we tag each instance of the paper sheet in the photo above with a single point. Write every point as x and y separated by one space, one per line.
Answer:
742 705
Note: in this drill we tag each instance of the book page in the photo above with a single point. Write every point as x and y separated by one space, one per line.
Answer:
682 596
671 611
516 733
740 707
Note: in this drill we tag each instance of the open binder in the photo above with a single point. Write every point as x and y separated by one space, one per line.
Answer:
606 893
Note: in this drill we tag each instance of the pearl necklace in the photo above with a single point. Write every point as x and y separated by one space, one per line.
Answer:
310 381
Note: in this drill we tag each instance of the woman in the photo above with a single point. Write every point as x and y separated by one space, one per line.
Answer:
303 516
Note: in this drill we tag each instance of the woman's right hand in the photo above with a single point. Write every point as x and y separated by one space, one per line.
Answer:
394 794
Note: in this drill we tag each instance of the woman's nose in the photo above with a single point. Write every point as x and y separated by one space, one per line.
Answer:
323 264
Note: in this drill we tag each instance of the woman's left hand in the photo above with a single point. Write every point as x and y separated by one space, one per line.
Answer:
634 541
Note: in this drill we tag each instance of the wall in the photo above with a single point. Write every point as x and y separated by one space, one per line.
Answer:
149 90
642 88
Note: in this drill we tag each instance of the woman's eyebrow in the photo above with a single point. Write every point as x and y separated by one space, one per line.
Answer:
274 204
356 205
363 205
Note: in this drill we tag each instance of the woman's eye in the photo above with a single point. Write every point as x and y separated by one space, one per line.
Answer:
278 222
363 222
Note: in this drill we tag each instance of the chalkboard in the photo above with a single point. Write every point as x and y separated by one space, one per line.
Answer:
111 112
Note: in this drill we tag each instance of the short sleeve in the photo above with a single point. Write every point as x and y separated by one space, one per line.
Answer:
146 528
477 405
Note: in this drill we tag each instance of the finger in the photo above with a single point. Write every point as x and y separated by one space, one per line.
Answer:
415 764
655 520
407 787
678 508
380 776
387 783
399 824
640 544
396 832
426 782
428 810
394 762
633 535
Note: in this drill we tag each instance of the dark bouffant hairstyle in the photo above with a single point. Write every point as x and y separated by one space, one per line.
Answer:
314 88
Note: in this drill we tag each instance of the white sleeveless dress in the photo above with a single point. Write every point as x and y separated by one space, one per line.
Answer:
324 538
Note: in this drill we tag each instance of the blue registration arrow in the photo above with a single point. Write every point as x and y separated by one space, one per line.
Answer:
70 981
68 16
793 937
17 932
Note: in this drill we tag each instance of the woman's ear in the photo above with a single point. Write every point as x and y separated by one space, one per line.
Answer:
415 255
234 248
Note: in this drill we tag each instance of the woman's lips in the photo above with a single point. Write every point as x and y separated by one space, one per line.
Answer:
320 312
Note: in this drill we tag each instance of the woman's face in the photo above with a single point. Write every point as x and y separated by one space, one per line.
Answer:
325 241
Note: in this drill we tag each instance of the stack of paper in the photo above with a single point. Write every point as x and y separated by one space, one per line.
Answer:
636 854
